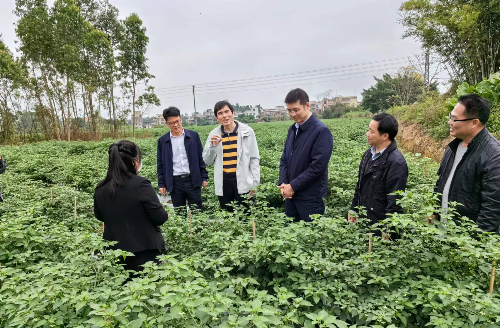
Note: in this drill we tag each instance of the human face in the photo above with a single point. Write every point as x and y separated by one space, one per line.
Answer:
175 124
461 129
373 136
299 113
225 116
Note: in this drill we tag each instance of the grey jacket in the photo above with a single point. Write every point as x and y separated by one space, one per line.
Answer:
247 169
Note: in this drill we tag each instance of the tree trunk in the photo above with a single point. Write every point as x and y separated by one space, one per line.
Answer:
51 104
115 125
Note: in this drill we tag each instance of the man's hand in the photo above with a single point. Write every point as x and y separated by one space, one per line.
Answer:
215 140
252 192
286 191
352 218
163 191
204 184
431 218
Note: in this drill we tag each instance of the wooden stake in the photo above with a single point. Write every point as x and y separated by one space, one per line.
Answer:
103 226
29 189
425 170
370 243
75 207
190 222
492 279
51 195
253 227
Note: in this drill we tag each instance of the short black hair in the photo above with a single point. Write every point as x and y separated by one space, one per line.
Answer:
221 104
171 112
476 106
297 95
387 124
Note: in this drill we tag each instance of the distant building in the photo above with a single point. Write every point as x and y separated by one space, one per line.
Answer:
350 101
138 119
160 121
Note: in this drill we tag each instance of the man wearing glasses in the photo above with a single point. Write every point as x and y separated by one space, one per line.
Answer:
470 170
180 166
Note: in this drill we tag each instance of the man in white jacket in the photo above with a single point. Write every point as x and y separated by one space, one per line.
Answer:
232 148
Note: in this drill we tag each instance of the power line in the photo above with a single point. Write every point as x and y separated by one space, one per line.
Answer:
277 87
358 65
291 79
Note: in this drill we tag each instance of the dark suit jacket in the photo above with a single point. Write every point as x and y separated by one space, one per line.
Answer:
131 216
304 162
165 166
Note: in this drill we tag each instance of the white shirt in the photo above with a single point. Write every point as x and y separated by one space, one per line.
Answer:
179 155
446 192
297 125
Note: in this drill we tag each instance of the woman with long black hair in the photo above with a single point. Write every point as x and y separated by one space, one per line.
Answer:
129 207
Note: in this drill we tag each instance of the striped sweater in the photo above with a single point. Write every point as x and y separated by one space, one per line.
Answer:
229 150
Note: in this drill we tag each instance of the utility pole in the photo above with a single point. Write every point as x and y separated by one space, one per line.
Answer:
195 114
427 69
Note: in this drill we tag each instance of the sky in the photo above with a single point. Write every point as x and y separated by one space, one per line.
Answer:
254 51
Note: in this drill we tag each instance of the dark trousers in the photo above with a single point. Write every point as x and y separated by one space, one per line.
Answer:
183 191
301 210
135 262
230 192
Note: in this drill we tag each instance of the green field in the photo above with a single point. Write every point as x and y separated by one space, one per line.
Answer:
55 271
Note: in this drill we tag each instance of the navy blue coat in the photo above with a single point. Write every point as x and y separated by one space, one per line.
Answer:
304 162
165 165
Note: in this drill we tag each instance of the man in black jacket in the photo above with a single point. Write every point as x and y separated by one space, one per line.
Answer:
3 166
470 170
303 176
382 171
180 166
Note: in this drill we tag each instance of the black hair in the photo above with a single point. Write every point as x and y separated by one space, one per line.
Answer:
121 156
297 95
221 104
476 106
171 112
387 124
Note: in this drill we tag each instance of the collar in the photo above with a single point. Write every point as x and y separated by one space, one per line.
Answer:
480 136
375 155
182 134
307 123
235 128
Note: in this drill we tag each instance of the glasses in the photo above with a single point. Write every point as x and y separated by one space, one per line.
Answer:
174 123
450 118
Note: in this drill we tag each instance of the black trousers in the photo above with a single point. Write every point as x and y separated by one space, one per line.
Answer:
230 192
183 191
301 210
135 262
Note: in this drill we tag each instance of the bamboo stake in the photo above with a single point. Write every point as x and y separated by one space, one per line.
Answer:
370 243
425 170
51 195
103 226
492 279
253 227
75 207
190 222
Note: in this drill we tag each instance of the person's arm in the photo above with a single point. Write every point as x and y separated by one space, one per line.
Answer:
254 160
320 156
396 179
354 202
488 218
97 213
159 166
203 167
3 164
151 203
210 151
283 179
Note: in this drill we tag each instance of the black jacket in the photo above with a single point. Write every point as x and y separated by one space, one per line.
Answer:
476 183
3 166
165 165
387 174
304 162
132 215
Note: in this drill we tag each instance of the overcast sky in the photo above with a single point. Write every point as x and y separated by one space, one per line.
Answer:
202 42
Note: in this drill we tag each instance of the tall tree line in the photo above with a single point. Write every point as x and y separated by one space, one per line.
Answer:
77 61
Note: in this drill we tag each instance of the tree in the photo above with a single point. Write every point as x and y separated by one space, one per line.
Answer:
376 98
465 33
132 58
336 110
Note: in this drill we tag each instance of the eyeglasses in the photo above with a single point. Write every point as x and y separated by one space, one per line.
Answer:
174 123
463 120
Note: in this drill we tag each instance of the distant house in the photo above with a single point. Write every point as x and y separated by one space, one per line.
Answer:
138 119
351 101
160 121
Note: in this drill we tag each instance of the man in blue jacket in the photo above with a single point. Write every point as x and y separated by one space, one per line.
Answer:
180 166
303 177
